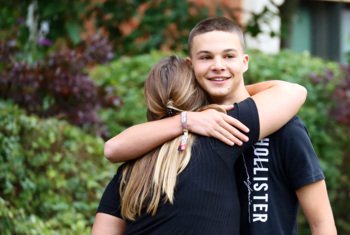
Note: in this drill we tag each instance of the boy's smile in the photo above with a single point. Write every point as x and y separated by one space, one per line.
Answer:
219 63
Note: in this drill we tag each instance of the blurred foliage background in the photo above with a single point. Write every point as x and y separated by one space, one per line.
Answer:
71 76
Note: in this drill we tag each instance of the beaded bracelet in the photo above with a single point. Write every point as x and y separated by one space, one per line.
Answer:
184 136
184 120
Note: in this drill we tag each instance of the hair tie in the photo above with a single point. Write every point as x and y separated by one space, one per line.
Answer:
170 112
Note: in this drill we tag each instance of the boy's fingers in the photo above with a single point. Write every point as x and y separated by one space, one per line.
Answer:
227 107
235 123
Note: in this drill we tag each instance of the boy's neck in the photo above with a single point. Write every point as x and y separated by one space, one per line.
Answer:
236 98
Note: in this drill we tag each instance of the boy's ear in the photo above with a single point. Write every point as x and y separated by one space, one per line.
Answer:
245 62
189 61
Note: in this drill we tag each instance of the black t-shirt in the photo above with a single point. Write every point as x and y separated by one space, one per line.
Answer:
206 199
268 175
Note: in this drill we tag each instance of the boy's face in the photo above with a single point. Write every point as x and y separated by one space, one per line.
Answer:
219 63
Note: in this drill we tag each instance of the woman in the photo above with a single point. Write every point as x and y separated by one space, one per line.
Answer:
186 186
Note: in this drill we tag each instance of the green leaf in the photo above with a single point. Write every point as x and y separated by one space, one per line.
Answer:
73 29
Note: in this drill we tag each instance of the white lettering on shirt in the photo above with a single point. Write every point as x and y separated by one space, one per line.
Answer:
260 206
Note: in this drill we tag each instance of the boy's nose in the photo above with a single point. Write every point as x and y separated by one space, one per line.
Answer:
218 64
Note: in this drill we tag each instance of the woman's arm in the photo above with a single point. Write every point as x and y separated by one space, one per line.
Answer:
142 138
106 224
277 104
277 96
255 88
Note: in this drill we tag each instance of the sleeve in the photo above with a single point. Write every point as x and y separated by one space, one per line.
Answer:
110 201
247 113
300 161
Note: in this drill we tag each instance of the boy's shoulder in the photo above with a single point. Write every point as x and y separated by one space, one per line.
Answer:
292 128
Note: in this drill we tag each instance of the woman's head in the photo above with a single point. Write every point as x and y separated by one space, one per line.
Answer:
171 86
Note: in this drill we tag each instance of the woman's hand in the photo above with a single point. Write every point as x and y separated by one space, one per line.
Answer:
216 124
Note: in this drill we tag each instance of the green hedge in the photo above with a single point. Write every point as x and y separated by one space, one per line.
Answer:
51 175
127 76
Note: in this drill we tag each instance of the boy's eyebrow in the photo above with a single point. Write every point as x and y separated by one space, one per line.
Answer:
231 50
209 52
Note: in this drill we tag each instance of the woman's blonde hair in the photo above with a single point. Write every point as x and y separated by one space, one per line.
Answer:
169 89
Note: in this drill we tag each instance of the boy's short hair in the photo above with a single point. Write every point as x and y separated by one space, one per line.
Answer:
217 23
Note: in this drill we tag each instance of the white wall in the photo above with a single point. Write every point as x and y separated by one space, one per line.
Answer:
263 41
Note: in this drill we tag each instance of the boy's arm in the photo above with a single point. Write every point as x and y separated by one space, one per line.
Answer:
313 199
142 138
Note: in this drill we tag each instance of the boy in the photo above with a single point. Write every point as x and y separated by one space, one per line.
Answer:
277 174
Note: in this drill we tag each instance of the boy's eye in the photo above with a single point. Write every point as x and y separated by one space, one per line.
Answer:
230 56
206 57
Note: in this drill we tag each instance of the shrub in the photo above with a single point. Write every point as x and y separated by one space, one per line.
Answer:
58 85
341 113
126 76
51 175
341 97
